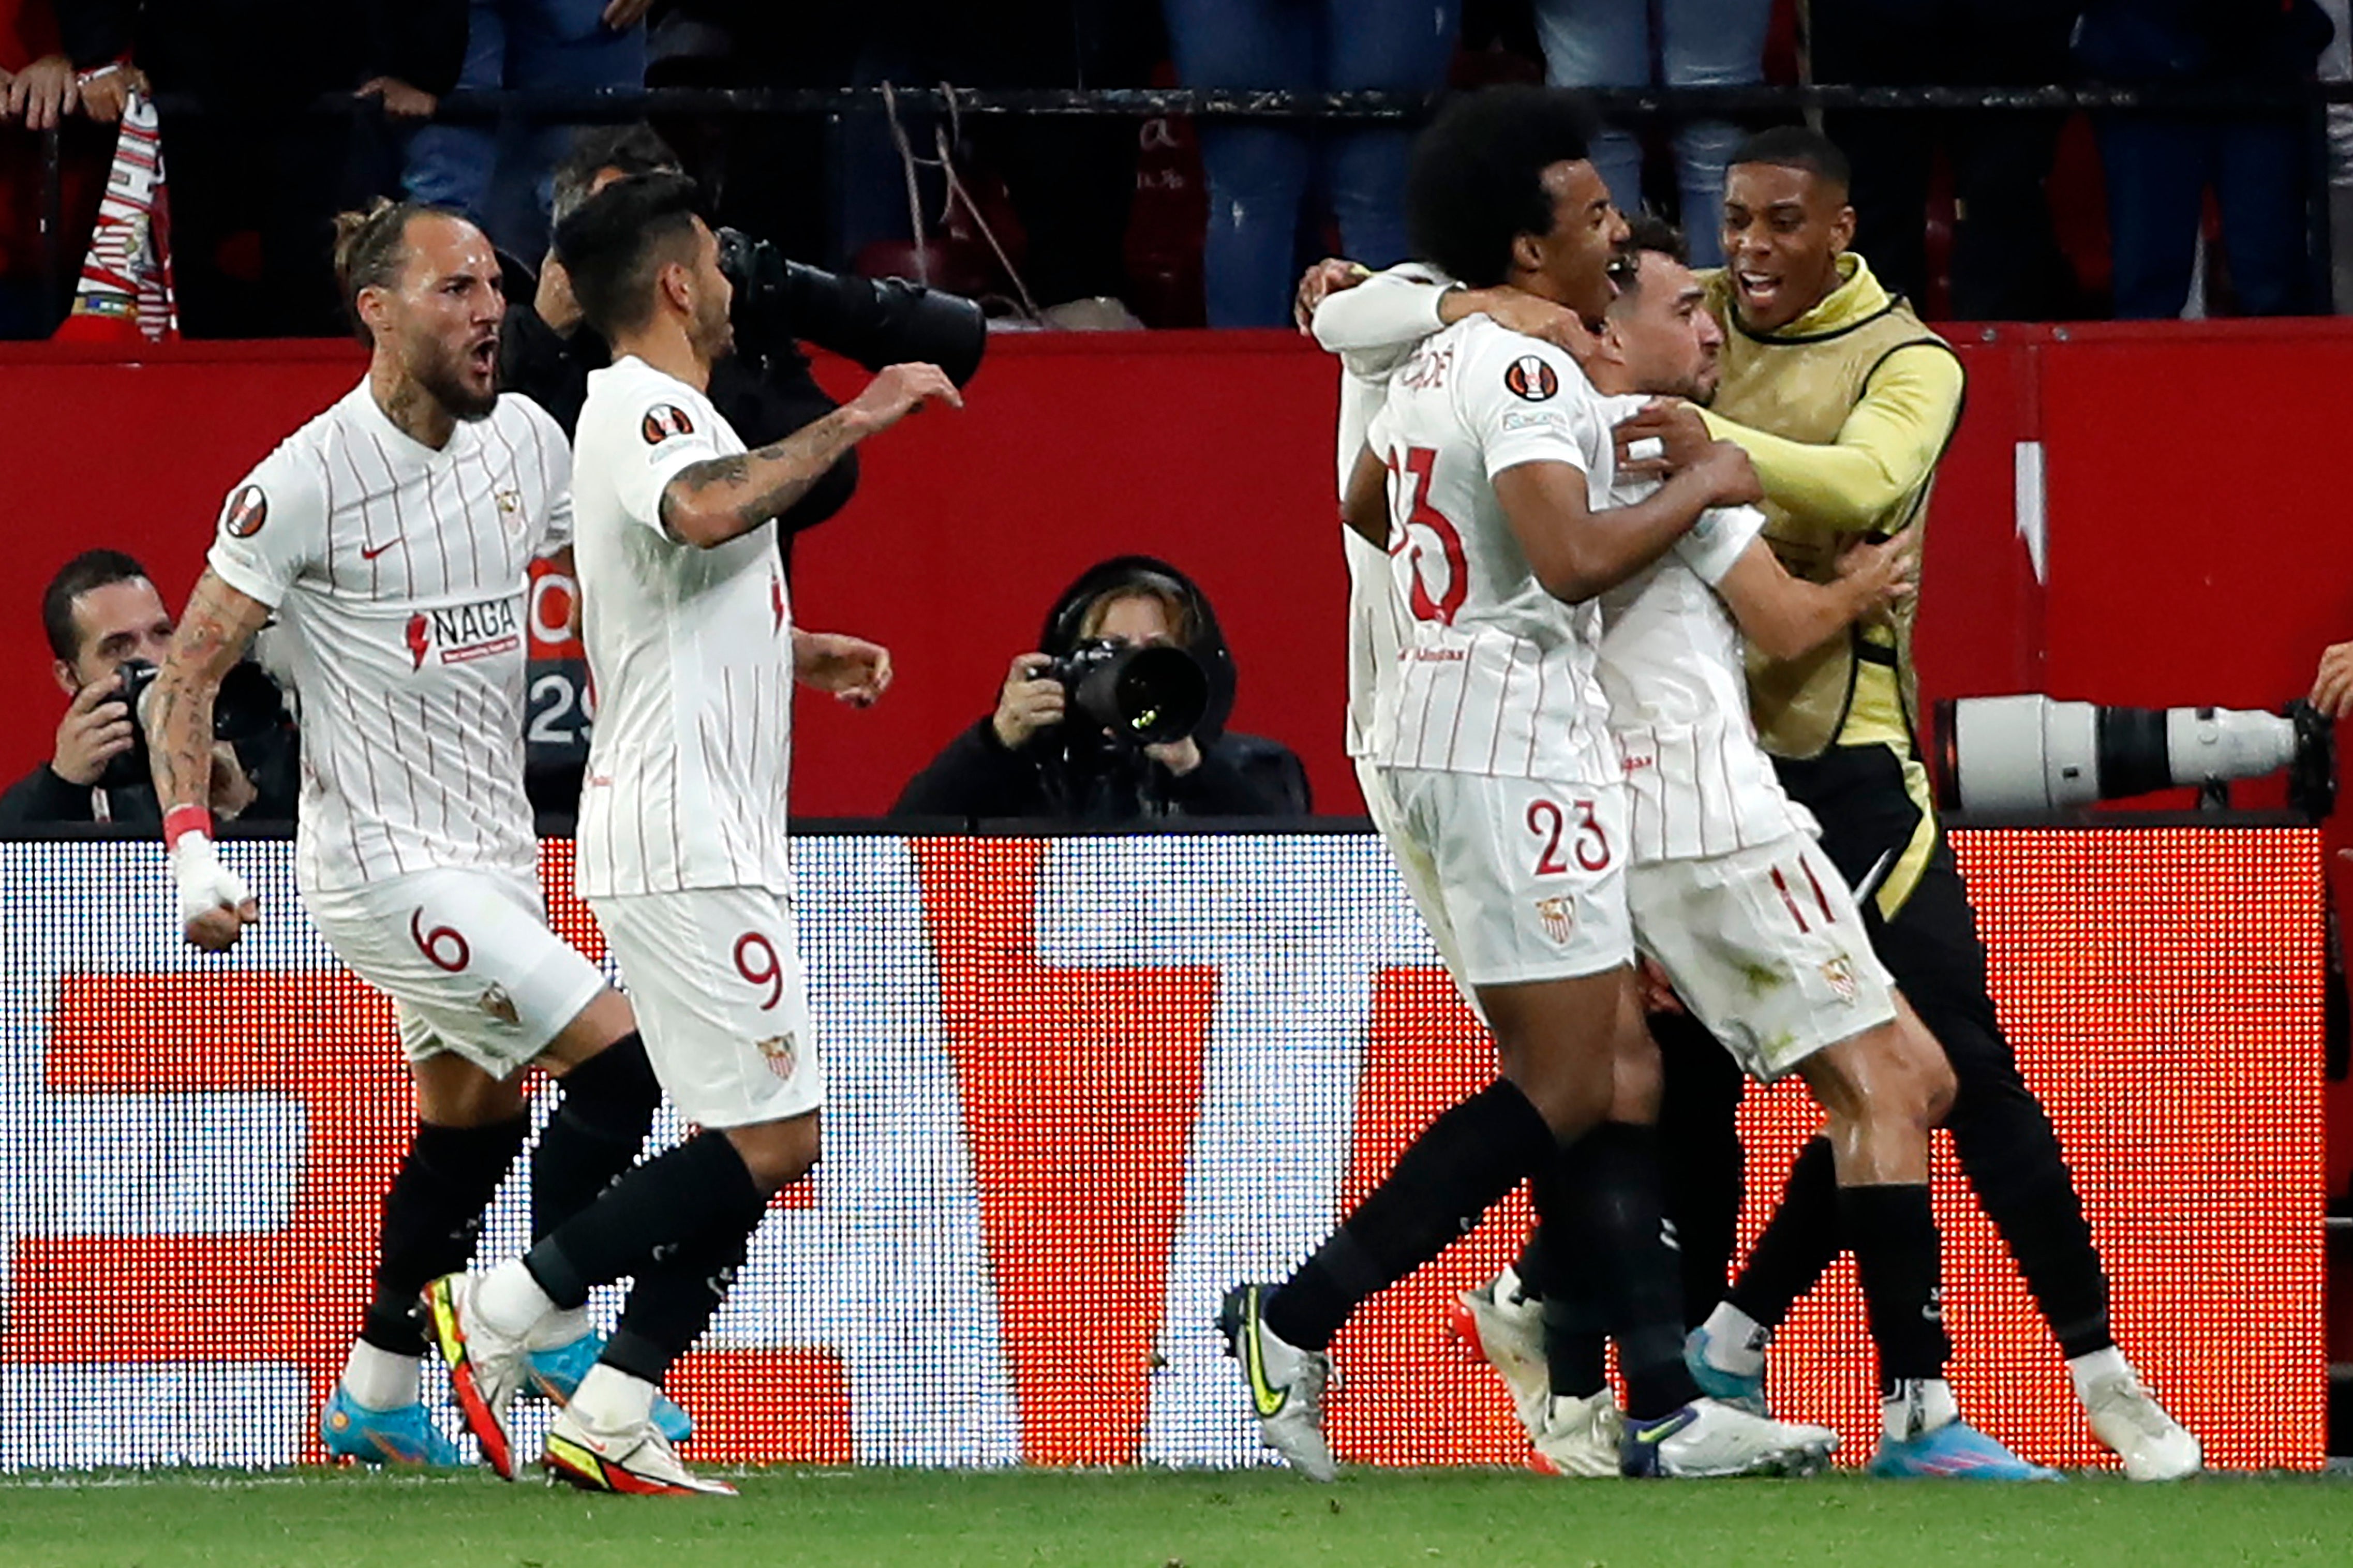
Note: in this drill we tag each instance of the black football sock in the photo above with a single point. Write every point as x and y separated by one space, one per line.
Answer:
699 1188
1604 1192
432 1213
1575 1328
1473 1153
673 1301
1897 1255
1799 1242
606 1107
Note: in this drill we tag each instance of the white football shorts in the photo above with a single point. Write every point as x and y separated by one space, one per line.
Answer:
1420 874
1766 947
467 959
715 976
1530 872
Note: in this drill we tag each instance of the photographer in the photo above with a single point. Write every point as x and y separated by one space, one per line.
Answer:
107 624
1033 758
764 389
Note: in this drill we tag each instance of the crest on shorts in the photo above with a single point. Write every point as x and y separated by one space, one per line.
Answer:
1839 972
498 1004
662 421
1530 378
782 1053
1557 915
247 511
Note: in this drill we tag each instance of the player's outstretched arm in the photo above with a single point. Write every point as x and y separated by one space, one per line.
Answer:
1784 616
219 622
1578 552
711 503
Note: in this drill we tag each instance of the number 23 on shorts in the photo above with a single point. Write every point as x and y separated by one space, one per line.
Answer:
1565 834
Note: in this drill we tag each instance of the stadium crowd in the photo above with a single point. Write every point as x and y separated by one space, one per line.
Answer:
1074 222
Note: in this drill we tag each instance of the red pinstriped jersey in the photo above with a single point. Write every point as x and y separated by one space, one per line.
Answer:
691 654
397 573
1497 677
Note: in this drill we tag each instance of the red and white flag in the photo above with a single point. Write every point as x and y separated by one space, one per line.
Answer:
126 281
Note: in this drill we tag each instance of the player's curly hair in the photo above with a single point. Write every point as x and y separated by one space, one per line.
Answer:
613 244
1476 182
371 248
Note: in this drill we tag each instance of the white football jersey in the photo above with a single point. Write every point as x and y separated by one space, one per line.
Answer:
1697 783
398 575
1373 328
1498 676
689 653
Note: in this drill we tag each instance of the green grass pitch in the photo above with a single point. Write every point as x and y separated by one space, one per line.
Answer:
1138 1519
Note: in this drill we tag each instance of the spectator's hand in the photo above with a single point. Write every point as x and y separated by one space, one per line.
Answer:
898 390
93 733
232 790
1731 477
1180 757
106 91
400 100
2332 688
852 668
620 15
42 94
1676 424
1327 276
1519 311
1032 701
555 302
1882 575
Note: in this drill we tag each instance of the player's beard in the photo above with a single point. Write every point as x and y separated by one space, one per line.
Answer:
442 374
714 331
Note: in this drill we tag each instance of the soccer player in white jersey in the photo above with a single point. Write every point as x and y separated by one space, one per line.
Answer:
390 537
1733 898
1492 742
682 852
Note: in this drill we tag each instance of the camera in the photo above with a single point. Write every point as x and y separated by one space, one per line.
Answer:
2027 755
1142 696
888 321
248 705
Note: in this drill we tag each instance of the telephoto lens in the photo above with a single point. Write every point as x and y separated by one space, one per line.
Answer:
1143 696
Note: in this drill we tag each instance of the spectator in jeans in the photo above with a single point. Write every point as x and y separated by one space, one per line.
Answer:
2006 261
2161 165
1697 43
100 612
1024 760
500 175
1259 172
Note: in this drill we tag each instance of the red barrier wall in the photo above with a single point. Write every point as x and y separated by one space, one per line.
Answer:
2191 555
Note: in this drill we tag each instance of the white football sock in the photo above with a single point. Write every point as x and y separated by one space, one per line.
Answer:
510 1301
378 1379
2084 1371
609 1400
1735 1342
1918 1407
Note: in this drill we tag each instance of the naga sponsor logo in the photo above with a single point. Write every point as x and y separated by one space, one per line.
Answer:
463 633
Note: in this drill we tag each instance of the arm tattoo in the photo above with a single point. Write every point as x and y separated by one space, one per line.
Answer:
753 486
178 715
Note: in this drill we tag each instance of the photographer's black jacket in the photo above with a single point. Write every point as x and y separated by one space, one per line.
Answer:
764 395
41 798
1241 775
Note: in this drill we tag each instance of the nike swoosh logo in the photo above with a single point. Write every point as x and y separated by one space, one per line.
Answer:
1873 878
367 554
1268 1400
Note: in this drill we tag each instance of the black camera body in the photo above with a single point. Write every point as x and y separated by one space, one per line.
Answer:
1140 696
248 705
875 323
